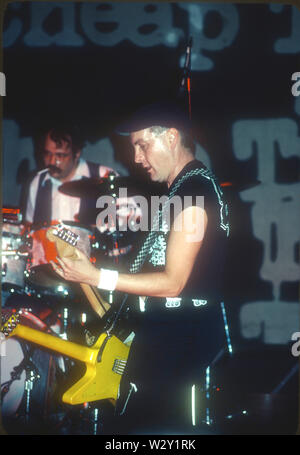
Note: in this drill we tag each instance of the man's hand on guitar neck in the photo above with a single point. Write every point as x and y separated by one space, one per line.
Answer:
81 270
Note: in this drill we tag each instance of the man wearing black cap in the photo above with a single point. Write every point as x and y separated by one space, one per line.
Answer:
179 270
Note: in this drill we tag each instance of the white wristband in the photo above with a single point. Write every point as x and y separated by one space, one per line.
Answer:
108 279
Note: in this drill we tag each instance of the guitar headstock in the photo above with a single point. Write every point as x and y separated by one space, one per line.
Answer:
9 324
63 233
65 241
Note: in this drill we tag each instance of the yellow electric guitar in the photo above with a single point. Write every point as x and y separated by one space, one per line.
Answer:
105 360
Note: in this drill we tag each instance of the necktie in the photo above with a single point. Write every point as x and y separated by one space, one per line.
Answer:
43 204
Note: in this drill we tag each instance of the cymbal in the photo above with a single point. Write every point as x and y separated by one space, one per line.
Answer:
93 187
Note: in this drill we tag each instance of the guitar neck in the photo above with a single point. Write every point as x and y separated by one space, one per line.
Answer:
99 305
68 348
65 249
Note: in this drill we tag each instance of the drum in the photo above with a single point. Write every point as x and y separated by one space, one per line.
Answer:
11 399
41 275
14 260
28 375
41 310
12 215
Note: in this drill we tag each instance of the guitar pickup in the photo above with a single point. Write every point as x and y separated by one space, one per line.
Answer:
119 366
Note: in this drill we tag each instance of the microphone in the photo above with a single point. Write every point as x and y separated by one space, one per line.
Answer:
185 86
187 63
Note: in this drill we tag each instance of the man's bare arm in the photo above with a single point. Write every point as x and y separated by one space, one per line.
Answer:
183 247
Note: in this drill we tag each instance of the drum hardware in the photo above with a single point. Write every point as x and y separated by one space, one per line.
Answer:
64 335
26 365
15 253
11 215
31 377
26 370
15 257
28 241
12 378
20 394
15 376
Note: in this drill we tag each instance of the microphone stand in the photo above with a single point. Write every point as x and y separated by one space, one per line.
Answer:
185 85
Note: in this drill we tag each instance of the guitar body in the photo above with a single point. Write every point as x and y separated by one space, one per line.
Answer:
105 362
102 379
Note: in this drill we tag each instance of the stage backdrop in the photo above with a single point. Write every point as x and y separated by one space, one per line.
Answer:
93 63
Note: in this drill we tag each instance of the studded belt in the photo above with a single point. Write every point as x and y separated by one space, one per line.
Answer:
176 302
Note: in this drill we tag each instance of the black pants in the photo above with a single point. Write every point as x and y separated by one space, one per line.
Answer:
170 353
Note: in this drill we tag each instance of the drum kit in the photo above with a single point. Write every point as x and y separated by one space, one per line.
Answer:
45 301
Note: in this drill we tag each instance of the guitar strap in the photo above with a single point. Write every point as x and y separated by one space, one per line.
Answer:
43 202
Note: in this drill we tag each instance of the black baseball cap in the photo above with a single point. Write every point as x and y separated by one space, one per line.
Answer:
167 114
